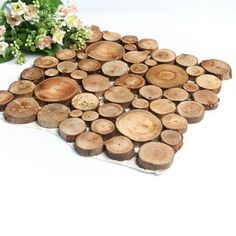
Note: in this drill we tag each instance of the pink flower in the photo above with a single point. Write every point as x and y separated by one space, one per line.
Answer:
2 30
44 42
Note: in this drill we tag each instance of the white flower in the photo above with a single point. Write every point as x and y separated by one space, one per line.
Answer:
3 48
14 21
2 30
58 36
15 9
31 13
73 21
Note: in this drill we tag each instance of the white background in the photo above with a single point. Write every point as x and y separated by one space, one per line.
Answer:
46 189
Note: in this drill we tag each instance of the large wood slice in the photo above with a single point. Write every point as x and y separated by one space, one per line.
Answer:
33 74
155 156
135 56
172 138
46 62
66 54
85 102
5 98
167 76
89 65
96 34
139 125
110 110
219 68
164 56
186 60
56 89
21 111
115 68
52 114
148 44
162 107
105 51
150 92
22 88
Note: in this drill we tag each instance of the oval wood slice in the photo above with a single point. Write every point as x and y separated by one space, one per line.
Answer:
110 110
119 148
70 128
209 82
90 116
186 60
33 74
22 88
111 36
52 72
75 113
66 67
46 62
66 54
105 51
135 56
191 87
82 55
191 110
140 103
150 62
85 101
89 65
150 92
162 107
148 44
89 144
56 89
172 138
139 125
52 114
176 94
5 98
164 56
78 75
219 68
115 68
21 111
139 68
155 156
96 34
207 98
130 47
129 39
167 76
194 71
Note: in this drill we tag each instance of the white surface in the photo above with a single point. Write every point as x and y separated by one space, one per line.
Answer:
47 189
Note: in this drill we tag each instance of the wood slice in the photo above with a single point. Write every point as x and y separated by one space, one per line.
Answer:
135 56
66 55
191 87
140 103
164 56
120 95
110 110
96 34
46 62
97 84
148 44
22 88
115 68
131 81
105 51
194 72
172 138
111 36
139 125
89 144
129 39
209 82
66 67
75 113
52 114
119 148
162 107
175 122
85 102
167 76
5 98
130 47
219 68
52 72
78 75
207 98
150 62
186 60
176 94
155 156
82 55
56 89
150 92
139 68
191 110
21 111
33 74
70 128
90 116
90 65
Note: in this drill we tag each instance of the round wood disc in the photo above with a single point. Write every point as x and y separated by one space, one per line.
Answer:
46 62
191 87
176 94
85 101
56 89
103 127
21 111
115 68
162 107
195 71
150 92
129 39
105 51
52 72
111 36
135 56
66 67
167 76
89 65
81 55
130 47
33 74
209 82
140 103
172 138
139 125
139 68
78 75
5 98
22 88
89 116
155 156
186 60
96 34
66 54
75 113
148 44
164 56
150 62
110 110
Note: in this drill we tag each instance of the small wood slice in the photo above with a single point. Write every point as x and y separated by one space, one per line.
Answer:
105 51
148 44
85 101
33 74
172 138
150 62
22 88
90 116
140 103
66 67
139 125
155 156
89 144
119 148
129 39
75 113
139 68
194 71
186 60
135 56
111 36
120 95
150 92
56 89
110 110
162 107
51 72
5 98
70 128
219 68
96 34
21 111
164 56
191 87
176 94
191 110
207 98
66 55
167 76
97 84
115 68
175 122
130 47
89 65
52 114
209 82
46 62
82 55
78 75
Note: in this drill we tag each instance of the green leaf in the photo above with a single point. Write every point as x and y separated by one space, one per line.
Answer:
53 5
6 58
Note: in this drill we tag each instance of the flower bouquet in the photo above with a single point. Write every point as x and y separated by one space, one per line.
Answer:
39 26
